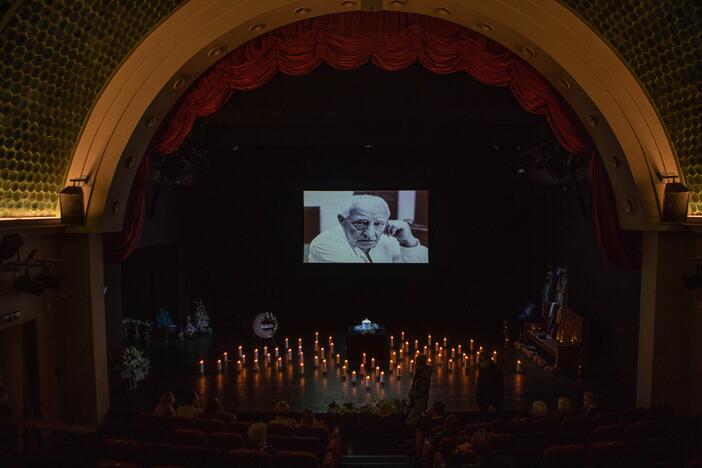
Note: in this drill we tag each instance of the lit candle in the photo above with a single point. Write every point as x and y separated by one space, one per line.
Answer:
299 342
265 350
426 350
519 366
391 366
299 350
316 335
353 377
445 341
321 351
494 357
416 354
429 340
324 366
316 361
268 358
460 350
219 365
330 340
243 359
287 343
331 348
363 358
255 364
256 354
276 352
343 372
480 350
436 347
302 367
392 341
226 356
241 350
453 353
450 364
416 344
400 352
406 346
202 366
289 354
280 362
472 346
316 346
411 368
382 378
372 362
338 359
439 358
399 371
377 371
428 361
441 350
239 365
346 363
362 369
368 383
402 336
301 356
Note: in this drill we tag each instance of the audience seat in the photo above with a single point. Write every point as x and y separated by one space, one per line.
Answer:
643 429
608 433
522 457
516 427
189 437
320 432
210 425
694 463
578 422
122 450
661 412
280 429
246 458
226 441
654 449
176 422
300 444
296 459
607 453
148 419
241 428
632 415
117 464
501 441
471 429
545 425
565 456
606 418
182 455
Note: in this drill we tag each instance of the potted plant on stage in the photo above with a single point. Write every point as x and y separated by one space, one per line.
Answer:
134 366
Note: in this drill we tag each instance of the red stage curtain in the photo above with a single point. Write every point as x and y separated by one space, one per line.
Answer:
392 41
119 246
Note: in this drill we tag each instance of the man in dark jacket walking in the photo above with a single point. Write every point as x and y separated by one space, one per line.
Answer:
419 393
490 389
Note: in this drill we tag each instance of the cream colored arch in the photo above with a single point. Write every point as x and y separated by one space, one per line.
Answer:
592 78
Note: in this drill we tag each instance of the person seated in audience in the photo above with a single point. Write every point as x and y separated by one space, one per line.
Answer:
450 429
489 389
281 409
564 407
213 410
165 405
538 410
258 438
433 419
590 403
191 409
308 420
474 454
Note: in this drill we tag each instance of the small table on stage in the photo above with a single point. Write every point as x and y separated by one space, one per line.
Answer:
374 343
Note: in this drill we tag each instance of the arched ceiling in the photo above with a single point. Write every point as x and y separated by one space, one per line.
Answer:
57 57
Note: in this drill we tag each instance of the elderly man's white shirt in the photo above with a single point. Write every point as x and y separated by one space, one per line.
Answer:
331 246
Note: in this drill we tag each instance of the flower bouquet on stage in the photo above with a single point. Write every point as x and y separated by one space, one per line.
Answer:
134 366
200 323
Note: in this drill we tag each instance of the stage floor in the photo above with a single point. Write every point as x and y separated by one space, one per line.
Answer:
175 368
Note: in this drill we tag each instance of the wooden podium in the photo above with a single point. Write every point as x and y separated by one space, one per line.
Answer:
565 345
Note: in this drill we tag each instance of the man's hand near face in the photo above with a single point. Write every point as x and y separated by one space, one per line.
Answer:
401 231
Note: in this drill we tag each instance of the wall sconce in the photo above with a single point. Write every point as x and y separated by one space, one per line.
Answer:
675 201
71 201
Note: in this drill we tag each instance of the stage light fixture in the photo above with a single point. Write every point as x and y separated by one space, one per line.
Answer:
71 202
675 201
10 245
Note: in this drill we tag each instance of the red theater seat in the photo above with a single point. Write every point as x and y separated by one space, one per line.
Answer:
300 444
633 415
280 429
296 459
241 428
580 422
501 441
245 458
655 449
189 437
608 433
606 418
545 425
516 427
566 456
642 430
607 453
471 429
226 441
176 422
181 455
210 425
148 419
124 450
320 432
117 464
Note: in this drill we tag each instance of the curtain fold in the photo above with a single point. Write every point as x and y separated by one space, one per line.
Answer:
392 41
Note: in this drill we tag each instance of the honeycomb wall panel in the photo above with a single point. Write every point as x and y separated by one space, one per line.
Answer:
661 42
56 58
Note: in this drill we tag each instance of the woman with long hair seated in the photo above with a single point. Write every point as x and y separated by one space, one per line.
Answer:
213 410
165 405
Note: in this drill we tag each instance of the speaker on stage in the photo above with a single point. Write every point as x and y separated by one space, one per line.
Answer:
675 201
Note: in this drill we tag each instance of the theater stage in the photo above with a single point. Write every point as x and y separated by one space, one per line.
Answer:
175 368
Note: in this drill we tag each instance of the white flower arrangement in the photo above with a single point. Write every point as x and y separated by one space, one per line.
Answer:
201 323
135 366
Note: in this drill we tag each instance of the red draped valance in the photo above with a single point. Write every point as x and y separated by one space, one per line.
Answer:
393 41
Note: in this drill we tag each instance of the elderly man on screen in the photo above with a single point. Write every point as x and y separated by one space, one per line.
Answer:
366 235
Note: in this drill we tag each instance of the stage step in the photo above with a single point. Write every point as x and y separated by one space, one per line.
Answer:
378 461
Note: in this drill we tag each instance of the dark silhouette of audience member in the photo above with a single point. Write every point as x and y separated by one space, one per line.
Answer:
191 409
213 410
282 410
433 419
419 393
450 429
8 432
489 389
436 410
308 420
564 407
591 404
258 438
165 405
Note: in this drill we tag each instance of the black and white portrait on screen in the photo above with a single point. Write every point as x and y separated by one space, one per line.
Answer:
366 227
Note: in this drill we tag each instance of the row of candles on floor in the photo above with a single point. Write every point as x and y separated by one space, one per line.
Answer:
457 356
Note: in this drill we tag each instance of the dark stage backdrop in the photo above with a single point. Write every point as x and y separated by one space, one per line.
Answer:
481 263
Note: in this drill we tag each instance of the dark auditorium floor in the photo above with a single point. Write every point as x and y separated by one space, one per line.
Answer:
175 368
